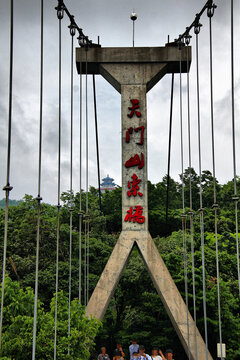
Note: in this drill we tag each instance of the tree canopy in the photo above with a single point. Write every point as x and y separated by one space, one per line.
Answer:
136 309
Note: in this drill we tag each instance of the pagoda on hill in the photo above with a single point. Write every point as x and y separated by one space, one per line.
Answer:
107 184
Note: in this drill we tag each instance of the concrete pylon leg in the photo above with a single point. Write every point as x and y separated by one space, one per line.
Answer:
110 277
166 288
171 298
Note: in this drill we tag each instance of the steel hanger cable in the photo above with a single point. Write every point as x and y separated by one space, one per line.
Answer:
183 204
97 146
72 32
235 197
187 41
197 28
87 176
39 198
86 254
80 191
210 13
7 188
169 150
60 16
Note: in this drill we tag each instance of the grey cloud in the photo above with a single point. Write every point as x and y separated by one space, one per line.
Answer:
110 20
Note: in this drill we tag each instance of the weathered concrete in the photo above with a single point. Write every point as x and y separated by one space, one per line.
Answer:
166 288
133 72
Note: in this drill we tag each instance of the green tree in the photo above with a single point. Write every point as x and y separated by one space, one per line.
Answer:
18 327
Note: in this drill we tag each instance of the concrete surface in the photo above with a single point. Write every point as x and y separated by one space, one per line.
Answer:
133 72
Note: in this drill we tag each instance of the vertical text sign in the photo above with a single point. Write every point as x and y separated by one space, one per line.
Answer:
134 147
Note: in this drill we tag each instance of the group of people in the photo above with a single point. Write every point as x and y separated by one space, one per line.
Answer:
136 352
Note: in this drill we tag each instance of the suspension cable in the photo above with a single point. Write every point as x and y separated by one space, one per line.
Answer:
183 204
39 198
86 254
60 16
72 32
210 13
7 188
80 192
97 146
63 9
198 16
197 28
187 41
235 197
169 150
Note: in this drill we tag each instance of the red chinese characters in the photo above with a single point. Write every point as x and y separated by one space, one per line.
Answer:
133 108
135 215
135 160
134 186
130 131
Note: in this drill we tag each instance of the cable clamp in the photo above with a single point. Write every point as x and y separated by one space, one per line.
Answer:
39 198
72 26
214 206
59 206
7 188
235 198
60 9
211 8
197 24
180 43
187 37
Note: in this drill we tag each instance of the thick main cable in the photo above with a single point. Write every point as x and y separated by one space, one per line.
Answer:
197 30
7 188
39 198
183 205
59 178
235 197
198 16
187 37
215 205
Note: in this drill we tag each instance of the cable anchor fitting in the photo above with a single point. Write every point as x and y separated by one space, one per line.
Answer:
72 26
211 9
39 198
197 24
187 37
7 188
60 9
180 42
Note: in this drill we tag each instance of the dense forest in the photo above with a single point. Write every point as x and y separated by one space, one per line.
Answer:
136 309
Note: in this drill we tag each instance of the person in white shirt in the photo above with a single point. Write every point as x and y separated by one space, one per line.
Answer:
134 347
142 354
155 354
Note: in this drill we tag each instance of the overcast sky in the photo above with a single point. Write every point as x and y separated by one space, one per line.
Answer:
110 20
